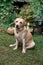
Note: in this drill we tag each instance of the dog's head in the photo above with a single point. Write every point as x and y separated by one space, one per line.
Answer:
20 23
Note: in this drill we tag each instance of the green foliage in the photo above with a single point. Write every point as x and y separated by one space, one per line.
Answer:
6 12
26 13
32 12
37 8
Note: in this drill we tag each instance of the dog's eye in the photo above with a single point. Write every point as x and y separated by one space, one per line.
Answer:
16 21
20 22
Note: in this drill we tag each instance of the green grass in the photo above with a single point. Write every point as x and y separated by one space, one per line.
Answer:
10 57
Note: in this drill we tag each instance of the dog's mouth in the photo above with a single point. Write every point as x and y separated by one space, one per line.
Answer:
17 27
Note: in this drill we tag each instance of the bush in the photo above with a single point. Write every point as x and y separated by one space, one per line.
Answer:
26 13
31 13
7 15
37 9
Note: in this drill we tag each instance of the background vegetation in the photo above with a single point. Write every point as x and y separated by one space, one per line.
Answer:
32 12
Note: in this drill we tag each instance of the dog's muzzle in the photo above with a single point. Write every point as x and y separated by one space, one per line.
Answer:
17 26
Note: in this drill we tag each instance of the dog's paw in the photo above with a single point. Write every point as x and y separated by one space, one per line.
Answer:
23 51
12 45
15 48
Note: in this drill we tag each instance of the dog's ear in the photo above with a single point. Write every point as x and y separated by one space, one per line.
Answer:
24 23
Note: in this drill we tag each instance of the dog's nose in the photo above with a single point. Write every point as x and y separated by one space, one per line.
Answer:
17 26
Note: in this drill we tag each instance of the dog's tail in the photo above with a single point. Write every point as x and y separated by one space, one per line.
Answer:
28 25
30 29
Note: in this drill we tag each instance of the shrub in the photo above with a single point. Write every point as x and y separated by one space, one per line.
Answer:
7 14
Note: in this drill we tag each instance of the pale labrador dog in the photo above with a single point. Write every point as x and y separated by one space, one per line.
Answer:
22 35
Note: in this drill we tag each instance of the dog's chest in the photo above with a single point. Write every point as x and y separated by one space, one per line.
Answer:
19 36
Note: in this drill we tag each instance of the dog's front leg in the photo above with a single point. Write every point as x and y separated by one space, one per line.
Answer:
16 45
24 49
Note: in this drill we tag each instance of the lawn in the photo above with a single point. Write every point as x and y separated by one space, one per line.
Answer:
10 57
